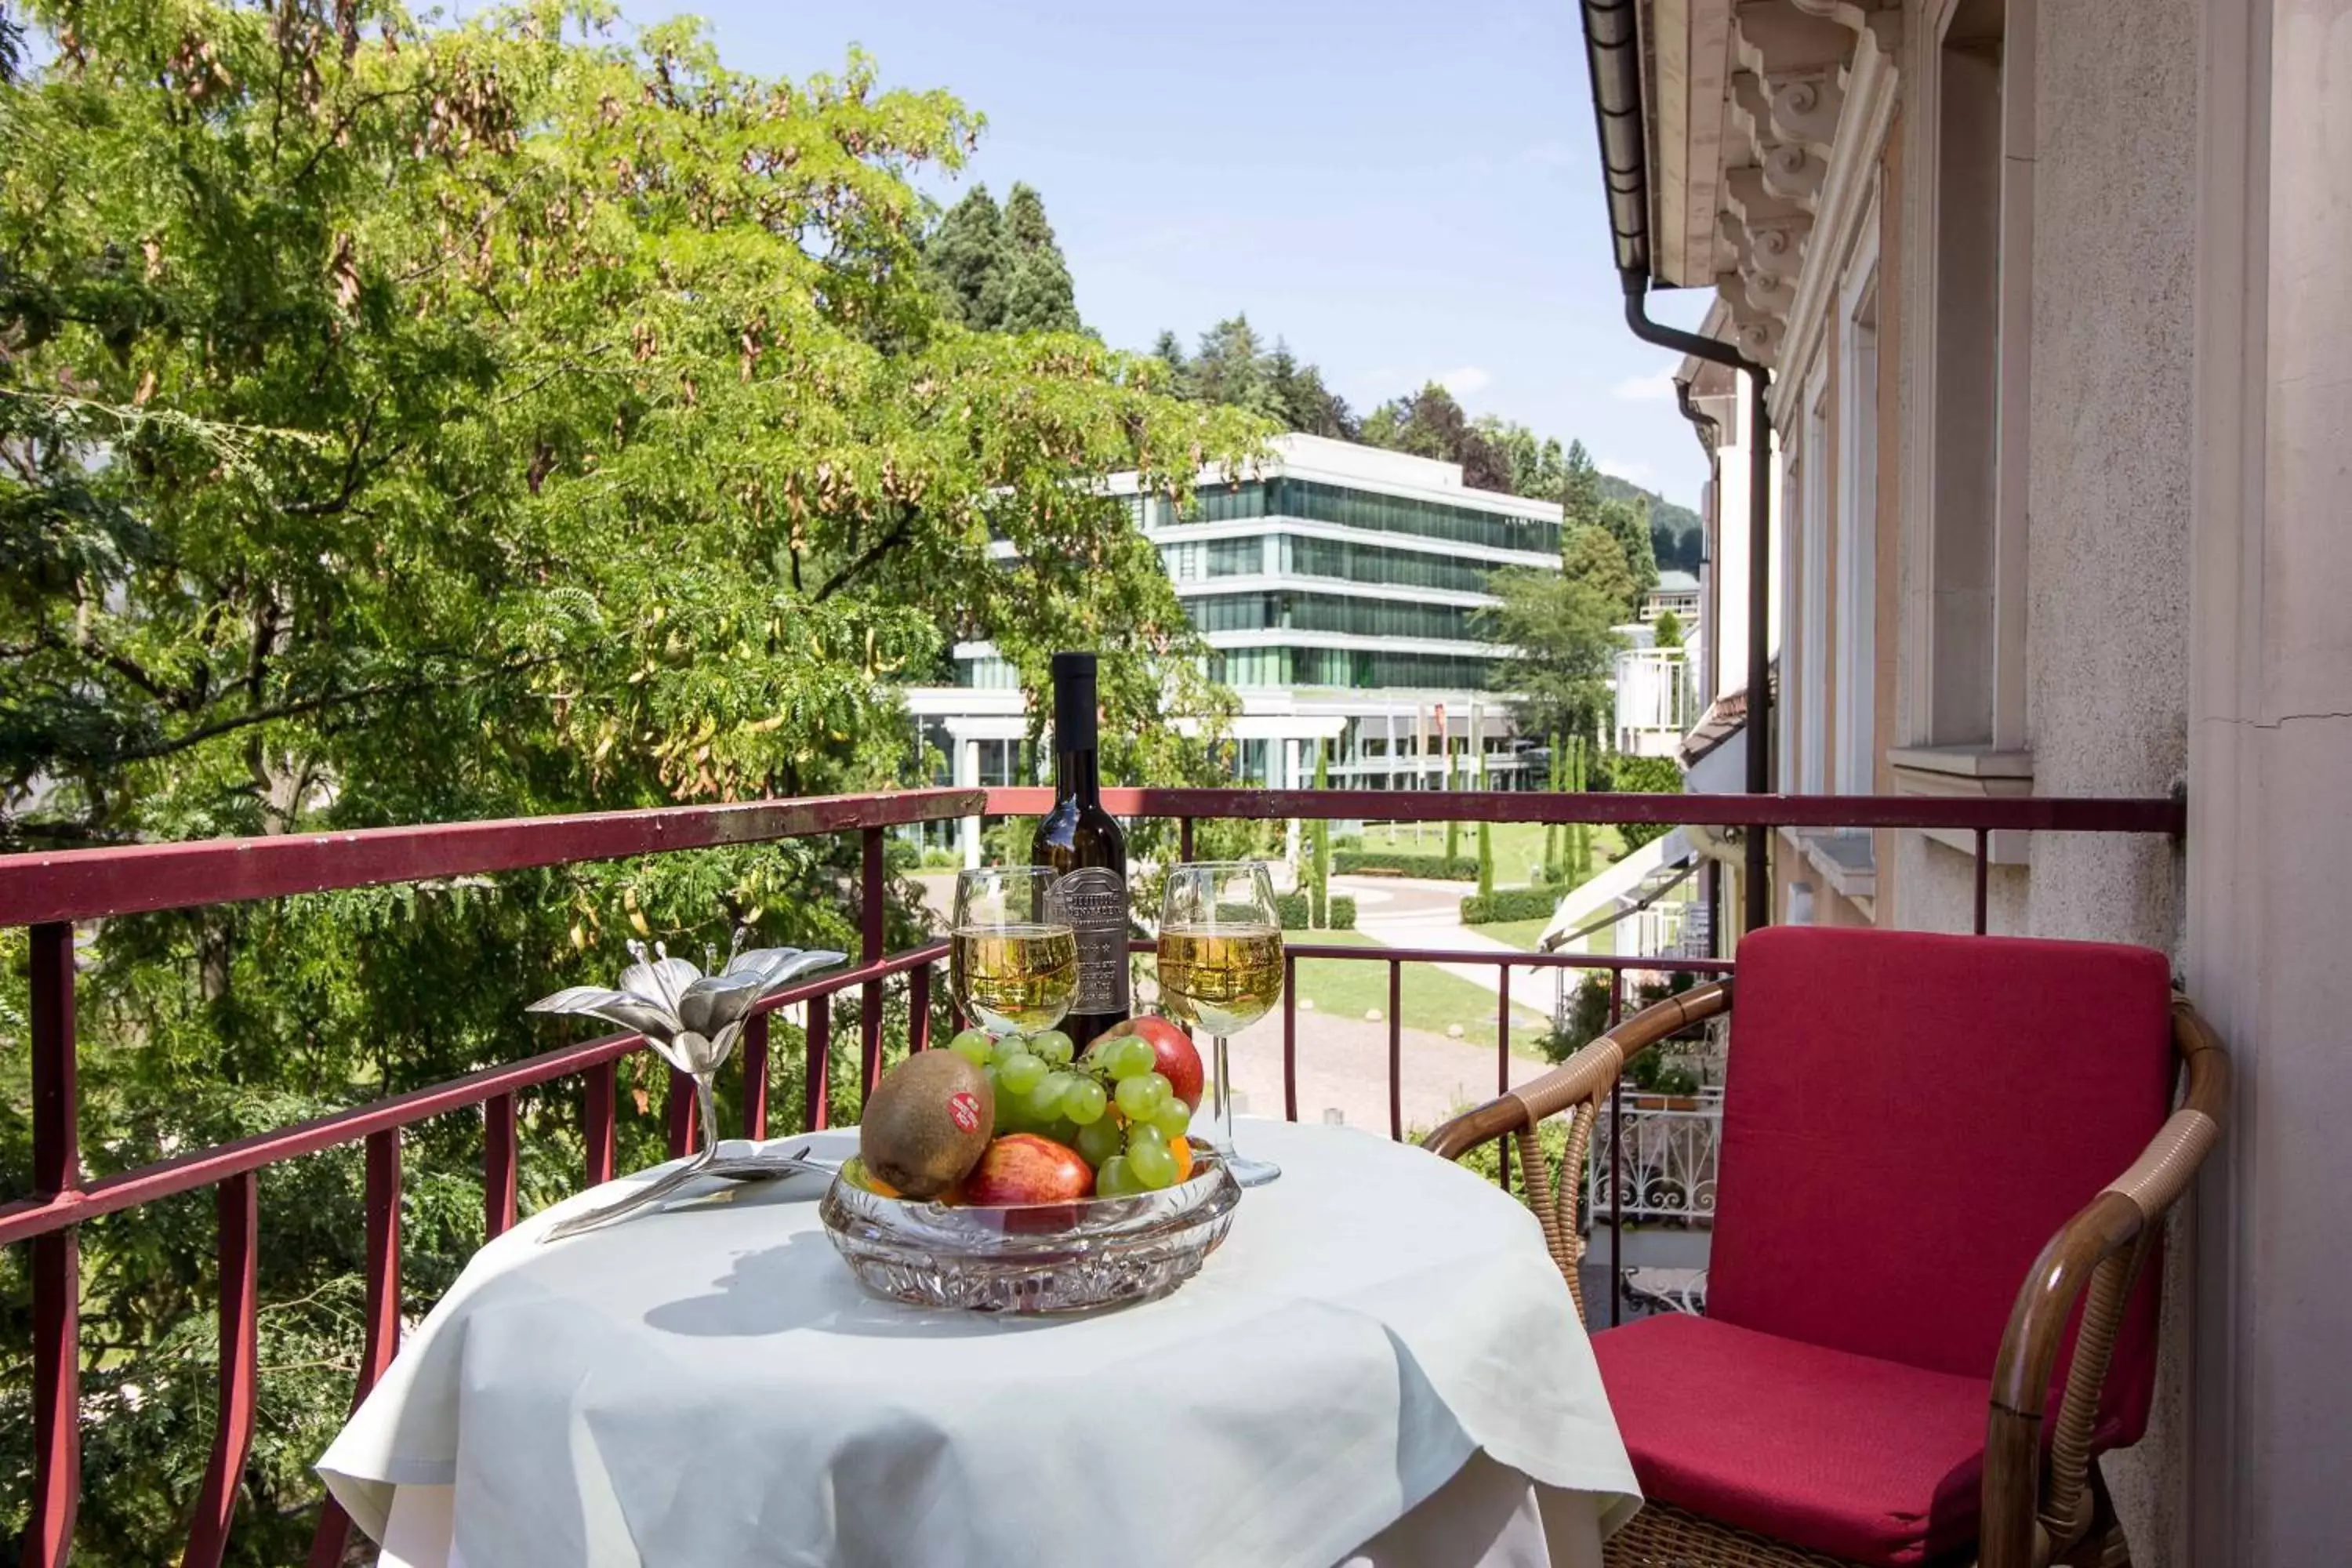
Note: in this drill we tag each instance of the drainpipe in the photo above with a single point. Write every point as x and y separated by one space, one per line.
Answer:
1612 48
1709 431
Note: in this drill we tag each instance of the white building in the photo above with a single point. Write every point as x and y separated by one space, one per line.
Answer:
1338 589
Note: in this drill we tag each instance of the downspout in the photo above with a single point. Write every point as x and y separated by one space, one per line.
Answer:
1709 431
1612 47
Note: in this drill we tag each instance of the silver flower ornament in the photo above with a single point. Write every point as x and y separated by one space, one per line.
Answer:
692 1020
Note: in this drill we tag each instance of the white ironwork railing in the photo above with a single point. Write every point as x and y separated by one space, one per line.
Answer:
1668 1170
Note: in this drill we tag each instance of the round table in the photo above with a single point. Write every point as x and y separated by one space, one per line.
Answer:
1381 1365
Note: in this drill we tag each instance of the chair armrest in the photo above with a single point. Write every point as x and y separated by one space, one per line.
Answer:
2100 1249
1587 1075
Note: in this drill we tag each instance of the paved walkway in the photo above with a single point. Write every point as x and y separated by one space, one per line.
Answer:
1343 1063
1343 1066
1408 911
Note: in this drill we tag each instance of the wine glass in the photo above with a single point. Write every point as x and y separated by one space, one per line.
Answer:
1013 956
1221 968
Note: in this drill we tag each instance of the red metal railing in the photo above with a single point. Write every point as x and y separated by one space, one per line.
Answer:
51 893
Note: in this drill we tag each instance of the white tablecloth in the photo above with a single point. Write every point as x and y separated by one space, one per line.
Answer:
709 1385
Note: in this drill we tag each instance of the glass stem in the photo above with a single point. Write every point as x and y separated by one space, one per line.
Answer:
1221 1104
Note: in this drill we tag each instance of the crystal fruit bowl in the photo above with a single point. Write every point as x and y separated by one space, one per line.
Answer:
1036 1259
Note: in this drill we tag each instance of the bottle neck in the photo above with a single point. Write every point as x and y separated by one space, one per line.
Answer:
1076 775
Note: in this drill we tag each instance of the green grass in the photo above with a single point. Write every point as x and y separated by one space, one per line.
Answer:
1524 934
1349 987
1518 845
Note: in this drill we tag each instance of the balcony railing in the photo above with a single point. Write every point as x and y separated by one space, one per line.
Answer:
51 894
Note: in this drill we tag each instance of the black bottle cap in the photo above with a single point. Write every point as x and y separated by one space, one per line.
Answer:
1074 701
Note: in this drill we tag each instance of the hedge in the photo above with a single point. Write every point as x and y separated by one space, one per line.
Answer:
1391 863
1296 916
1510 904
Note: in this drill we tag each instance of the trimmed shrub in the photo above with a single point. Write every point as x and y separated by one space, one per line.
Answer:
1638 775
1297 912
1509 904
1401 863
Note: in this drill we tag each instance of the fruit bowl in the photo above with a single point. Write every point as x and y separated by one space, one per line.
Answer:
1033 1259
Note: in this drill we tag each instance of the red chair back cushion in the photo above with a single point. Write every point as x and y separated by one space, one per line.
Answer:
1908 1117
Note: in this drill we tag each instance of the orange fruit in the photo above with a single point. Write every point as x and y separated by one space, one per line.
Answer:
1182 1149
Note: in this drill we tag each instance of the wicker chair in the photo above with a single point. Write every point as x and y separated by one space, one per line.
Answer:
1907 1118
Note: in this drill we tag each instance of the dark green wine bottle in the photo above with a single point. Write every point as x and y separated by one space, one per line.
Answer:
1084 845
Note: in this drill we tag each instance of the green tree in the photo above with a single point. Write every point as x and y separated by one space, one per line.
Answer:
1555 771
1641 775
1431 424
1001 270
1581 838
1667 629
1580 497
1593 557
1485 841
1536 466
1559 629
463 423
964 260
1169 349
1452 784
1038 294
1628 522
1231 367
1299 400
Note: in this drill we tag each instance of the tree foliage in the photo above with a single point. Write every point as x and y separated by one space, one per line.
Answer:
1431 424
432 422
1561 624
1232 366
1000 271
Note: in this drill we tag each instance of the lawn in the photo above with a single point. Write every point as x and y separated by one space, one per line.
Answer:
1524 934
1518 846
1348 988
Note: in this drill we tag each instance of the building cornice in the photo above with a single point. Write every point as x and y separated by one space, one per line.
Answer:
1849 189
1805 98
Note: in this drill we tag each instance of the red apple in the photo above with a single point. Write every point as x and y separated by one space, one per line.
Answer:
1024 1168
1179 1062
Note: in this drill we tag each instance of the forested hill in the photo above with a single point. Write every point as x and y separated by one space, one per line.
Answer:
1676 531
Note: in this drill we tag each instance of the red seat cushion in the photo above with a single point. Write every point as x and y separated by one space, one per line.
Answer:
1908 1119
1849 1455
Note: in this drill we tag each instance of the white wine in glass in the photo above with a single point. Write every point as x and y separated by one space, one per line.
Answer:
1221 969
1013 956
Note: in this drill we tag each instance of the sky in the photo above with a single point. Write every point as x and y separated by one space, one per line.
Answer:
1403 193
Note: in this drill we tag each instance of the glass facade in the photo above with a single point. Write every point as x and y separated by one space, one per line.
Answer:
991 674
1318 502
1333 613
1344 560
1361 670
1370 564
1214 558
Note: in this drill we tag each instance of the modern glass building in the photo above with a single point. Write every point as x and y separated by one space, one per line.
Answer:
1338 591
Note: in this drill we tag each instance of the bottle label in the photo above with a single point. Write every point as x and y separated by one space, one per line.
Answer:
1096 898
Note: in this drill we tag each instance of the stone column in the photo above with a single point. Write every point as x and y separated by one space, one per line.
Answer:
967 777
1290 780
2270 776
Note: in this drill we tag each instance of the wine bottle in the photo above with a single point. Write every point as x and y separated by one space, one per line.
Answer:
1084 845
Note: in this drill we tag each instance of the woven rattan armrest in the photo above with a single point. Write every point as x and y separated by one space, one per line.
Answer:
2100 1251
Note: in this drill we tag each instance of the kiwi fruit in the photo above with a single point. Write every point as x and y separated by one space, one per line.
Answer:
927 1123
